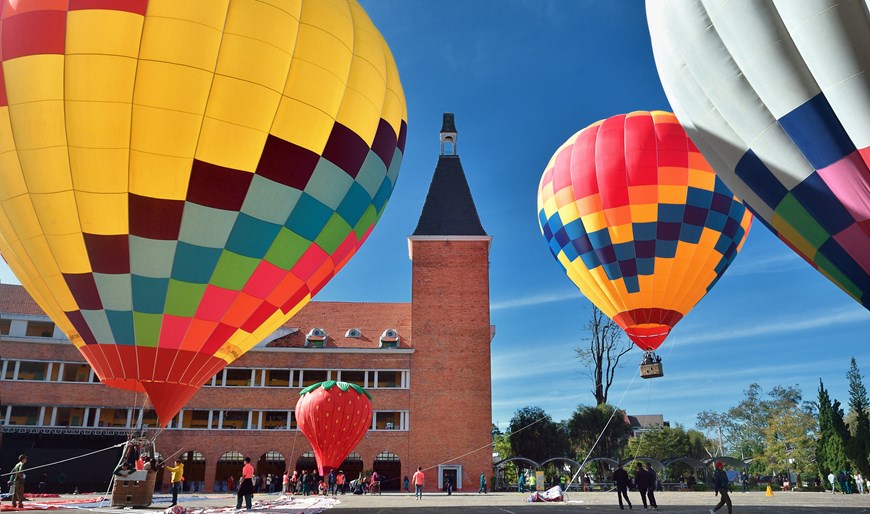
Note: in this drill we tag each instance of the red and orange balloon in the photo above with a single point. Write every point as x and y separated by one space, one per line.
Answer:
639 221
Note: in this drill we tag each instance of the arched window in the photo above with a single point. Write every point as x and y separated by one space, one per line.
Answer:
353 457
232 456
386 456
273 456
193 456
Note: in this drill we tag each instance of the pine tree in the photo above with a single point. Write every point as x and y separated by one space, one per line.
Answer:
833 435
859 444
826 429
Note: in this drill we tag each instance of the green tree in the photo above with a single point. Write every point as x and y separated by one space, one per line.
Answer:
858 445
534 435
601 358
790 439
588 422
830 444
741 429
666 442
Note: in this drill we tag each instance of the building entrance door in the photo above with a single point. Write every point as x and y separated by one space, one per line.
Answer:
448 474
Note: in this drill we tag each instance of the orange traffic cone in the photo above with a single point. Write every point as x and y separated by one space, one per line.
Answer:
769 491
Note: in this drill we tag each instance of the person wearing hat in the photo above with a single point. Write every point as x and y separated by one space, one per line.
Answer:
720 486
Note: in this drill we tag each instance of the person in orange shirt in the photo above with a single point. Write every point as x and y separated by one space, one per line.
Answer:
339 481
418 480
246 485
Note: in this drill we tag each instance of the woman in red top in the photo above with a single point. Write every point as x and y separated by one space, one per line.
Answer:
246 485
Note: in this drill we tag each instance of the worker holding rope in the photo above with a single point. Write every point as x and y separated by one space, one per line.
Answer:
177 477
17 480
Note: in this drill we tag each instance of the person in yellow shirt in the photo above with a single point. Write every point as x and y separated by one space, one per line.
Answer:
177 477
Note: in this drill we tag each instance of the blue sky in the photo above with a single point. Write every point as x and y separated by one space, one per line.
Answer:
522 77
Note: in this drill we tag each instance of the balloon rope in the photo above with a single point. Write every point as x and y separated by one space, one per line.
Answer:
112 478
484 446
601 434
69 459
648 403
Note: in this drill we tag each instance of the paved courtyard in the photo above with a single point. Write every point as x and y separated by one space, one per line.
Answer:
472 503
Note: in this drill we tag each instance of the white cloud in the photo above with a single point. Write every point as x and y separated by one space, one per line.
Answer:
537 299
836 318
777 263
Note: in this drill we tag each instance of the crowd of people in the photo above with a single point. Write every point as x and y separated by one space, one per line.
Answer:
845 482
308 482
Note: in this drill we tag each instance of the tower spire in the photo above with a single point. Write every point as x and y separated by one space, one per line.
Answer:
449 209
448 133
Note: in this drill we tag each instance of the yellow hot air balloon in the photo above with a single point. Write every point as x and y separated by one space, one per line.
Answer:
177 178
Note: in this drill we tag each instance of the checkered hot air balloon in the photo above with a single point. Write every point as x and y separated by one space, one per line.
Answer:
334 417
776 96
639 221
178 178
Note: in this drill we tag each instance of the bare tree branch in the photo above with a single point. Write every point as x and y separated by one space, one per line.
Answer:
601 358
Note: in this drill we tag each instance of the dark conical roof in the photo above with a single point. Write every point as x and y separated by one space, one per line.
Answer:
448 124
449 209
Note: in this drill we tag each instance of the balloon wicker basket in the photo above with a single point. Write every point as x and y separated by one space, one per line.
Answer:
130 492
653 370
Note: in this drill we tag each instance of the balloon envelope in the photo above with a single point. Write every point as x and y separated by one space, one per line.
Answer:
639 221
178 178
776 96
334 416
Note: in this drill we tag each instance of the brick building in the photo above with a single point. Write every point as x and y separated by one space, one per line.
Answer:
431 410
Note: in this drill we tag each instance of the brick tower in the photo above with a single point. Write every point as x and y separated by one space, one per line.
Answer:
451 390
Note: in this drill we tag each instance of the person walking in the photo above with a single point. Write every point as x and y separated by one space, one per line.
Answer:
521 483
642 481
330 482
620 477
16 478
406 484
306 482
653 482
859 482
177 476
246 485
482 488
744 480
418 480
833 480
720 486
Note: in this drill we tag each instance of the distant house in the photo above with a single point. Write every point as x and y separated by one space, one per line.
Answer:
646 422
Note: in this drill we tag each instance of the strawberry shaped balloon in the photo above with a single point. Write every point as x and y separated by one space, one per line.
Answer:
334 417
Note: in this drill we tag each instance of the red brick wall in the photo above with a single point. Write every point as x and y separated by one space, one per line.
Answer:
214 443
450 391
451 397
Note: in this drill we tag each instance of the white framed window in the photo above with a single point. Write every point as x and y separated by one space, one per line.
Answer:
353 376
390 420
310 377
235 419
389 379
112 418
